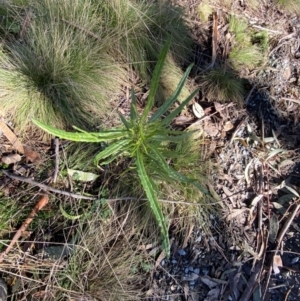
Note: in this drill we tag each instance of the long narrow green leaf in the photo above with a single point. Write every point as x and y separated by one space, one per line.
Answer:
169 102
153 201
124 121
81 136
155 80
174 113
133 110
173 174
112 149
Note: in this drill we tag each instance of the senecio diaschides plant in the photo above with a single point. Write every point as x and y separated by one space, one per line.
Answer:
145 138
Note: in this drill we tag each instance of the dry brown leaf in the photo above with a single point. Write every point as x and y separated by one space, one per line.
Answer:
277 262
227 191
31 156
161 256
11 159
235 212
219 108
11 137
227 126
211 129
182 120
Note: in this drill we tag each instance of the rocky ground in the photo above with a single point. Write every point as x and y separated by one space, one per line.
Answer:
254 252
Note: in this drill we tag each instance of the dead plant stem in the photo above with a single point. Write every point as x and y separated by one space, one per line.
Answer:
39 206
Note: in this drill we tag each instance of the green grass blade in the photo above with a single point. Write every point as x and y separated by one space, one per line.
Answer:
174 113
153 201
165 107
81 136
155 80
111 150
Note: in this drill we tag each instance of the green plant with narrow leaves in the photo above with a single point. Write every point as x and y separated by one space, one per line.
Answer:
145 138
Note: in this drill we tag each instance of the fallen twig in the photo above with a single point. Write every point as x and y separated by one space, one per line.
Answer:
39 206
46 187
92 198
287 225
214 41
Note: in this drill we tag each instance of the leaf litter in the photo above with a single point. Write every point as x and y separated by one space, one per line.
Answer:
250 197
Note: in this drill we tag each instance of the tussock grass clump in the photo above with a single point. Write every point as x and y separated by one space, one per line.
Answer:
262 39
74 55
138 30
204 11
170 78
222 84
290 6
248 57
238 26
65 72
244 53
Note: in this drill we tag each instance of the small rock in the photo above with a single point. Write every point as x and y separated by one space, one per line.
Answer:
181 252
197 271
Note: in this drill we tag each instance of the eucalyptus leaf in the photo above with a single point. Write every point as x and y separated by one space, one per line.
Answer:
82 176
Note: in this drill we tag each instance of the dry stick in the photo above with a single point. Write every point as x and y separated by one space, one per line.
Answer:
214 41
56 144
267 29
291 99
39 206
45 187
287 224
79 196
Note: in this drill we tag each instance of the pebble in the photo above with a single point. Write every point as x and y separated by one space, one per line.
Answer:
181 252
